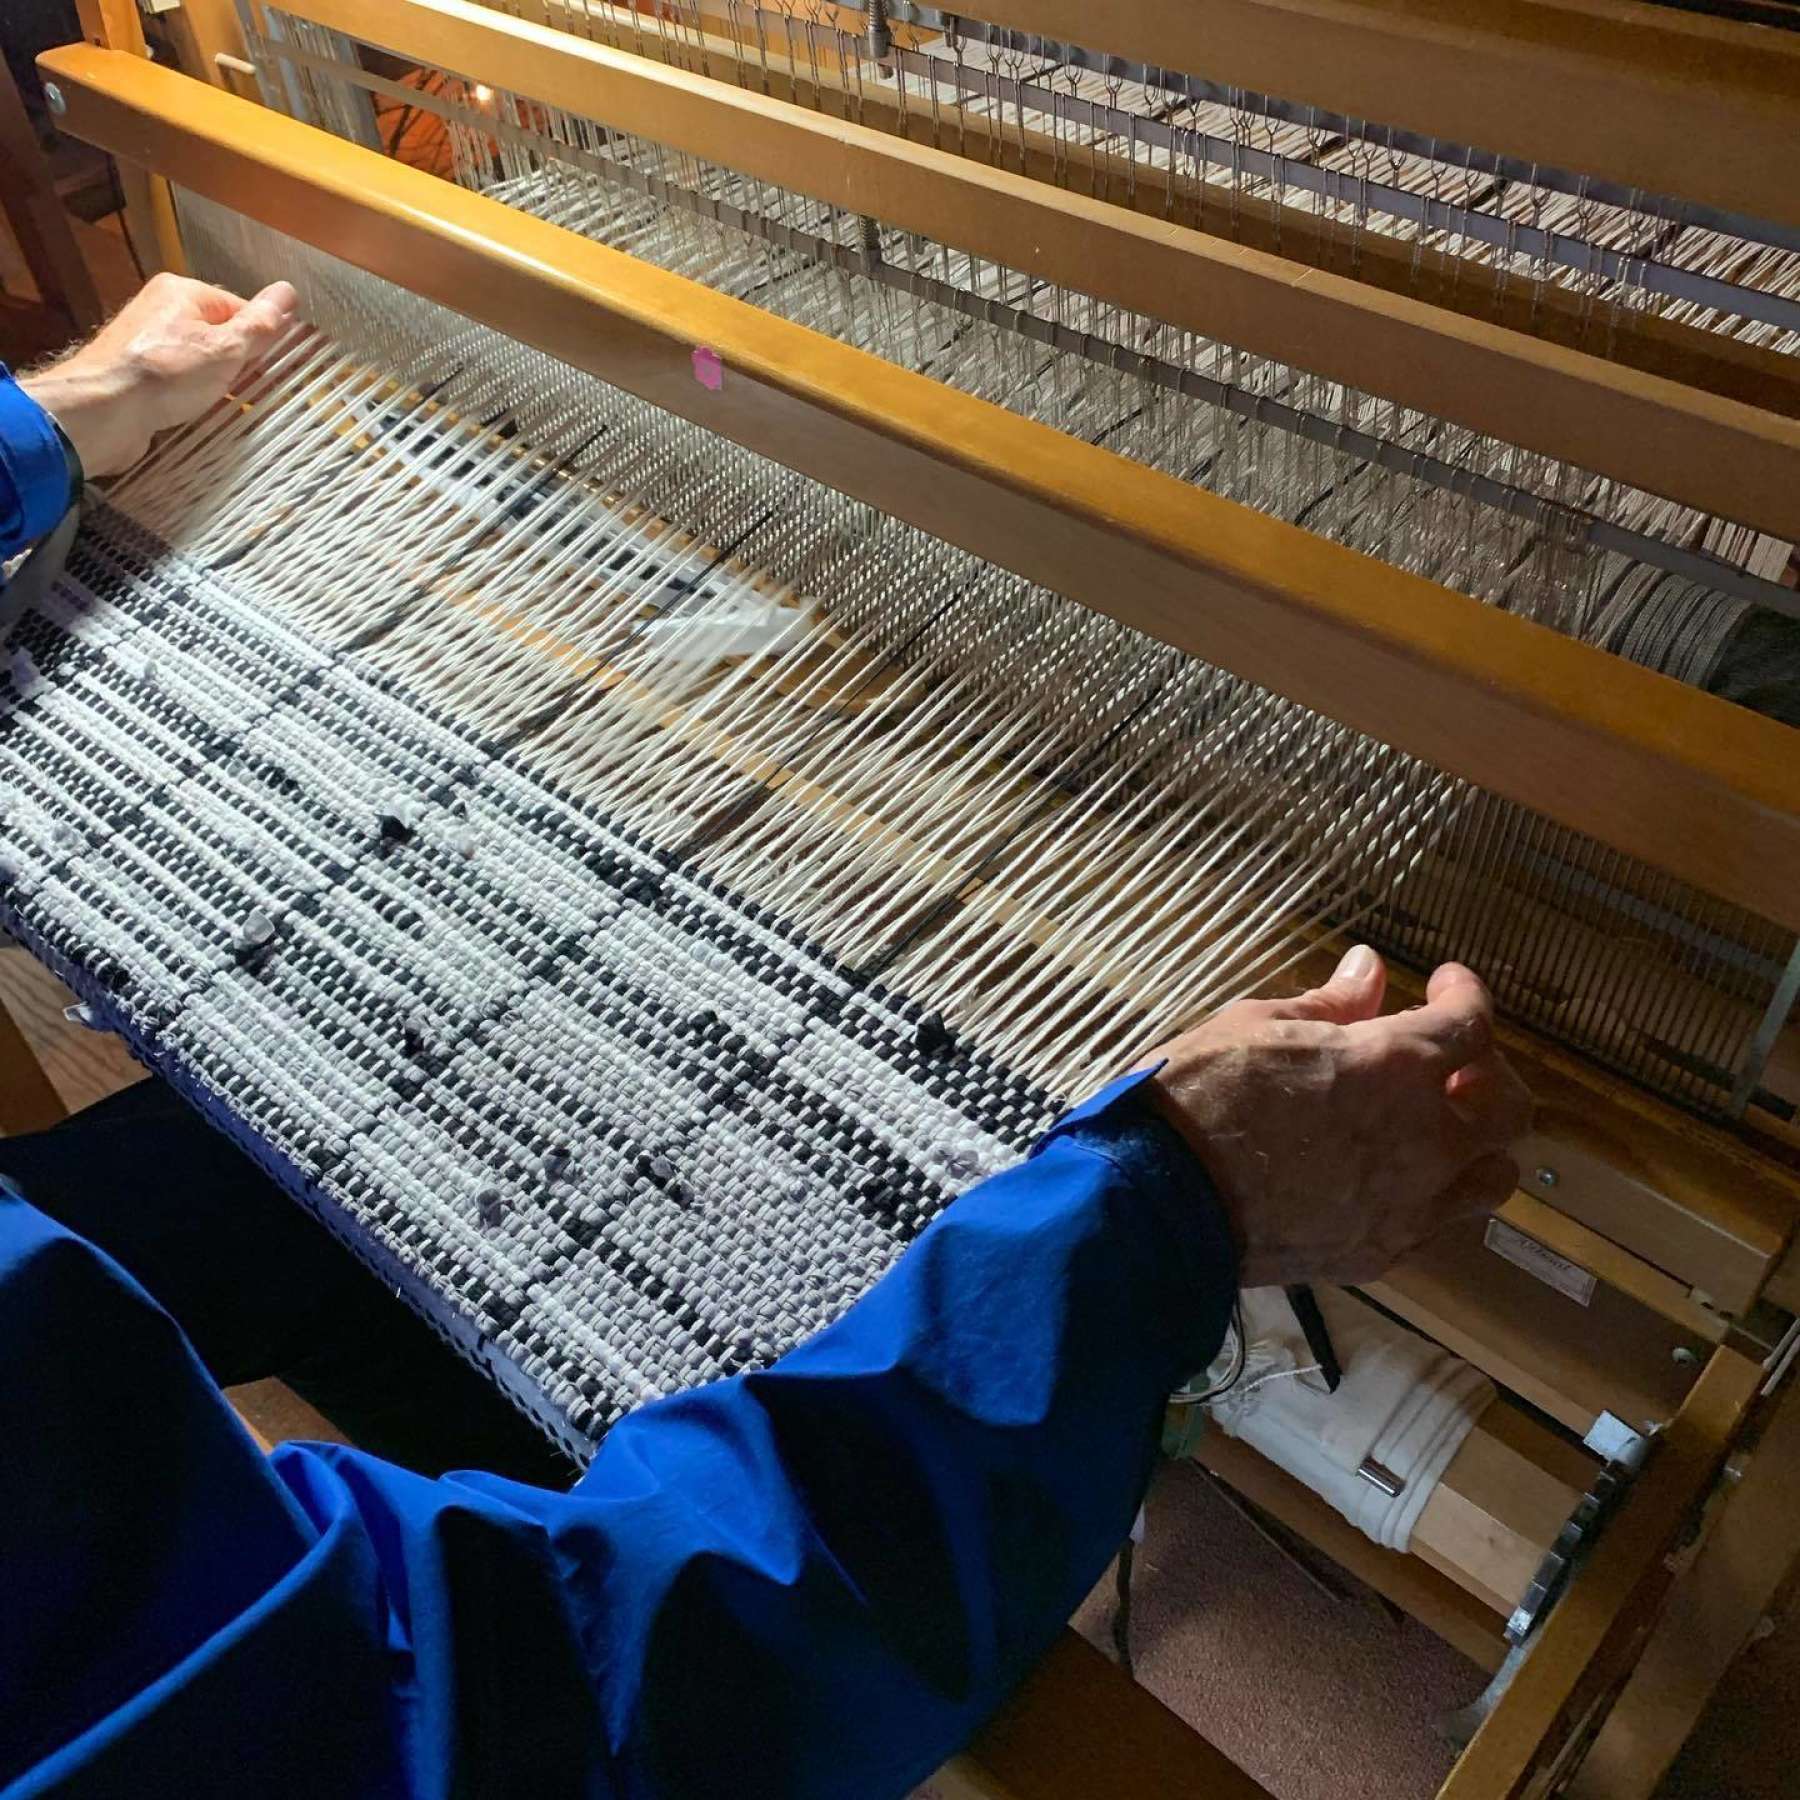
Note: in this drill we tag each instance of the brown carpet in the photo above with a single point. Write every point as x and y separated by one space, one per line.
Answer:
1315 1696
1747 1746
1327 1699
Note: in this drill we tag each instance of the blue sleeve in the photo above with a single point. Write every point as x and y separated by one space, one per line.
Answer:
34 470
816 1580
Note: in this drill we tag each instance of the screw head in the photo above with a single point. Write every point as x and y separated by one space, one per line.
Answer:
53 98
1545 1178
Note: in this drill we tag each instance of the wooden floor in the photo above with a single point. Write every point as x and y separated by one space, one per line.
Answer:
83 1066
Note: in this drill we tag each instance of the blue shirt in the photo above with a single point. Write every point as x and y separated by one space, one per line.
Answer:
814 1580
34 470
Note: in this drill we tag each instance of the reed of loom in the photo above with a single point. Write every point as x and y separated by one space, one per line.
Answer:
1132 518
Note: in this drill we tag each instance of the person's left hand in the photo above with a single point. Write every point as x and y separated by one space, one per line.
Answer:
169 353
1339 1140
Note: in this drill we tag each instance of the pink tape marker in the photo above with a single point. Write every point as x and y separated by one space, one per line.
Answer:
709 369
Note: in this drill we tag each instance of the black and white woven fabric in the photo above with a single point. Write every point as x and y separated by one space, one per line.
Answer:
613 1131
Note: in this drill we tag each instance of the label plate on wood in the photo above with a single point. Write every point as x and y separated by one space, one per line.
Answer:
1537 1259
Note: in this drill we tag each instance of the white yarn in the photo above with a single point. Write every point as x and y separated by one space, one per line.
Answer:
1404 1403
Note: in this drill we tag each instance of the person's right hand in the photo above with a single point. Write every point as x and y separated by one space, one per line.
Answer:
1339 1140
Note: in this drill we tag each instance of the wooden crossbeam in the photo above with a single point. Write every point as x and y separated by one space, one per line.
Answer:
1720 454
1668 102
1590 1639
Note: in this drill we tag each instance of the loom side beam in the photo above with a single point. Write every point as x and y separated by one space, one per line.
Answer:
149 216
1721 455
1666 102
1694 785
1591 1639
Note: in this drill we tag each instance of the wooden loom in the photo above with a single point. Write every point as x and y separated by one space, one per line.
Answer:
1686 1226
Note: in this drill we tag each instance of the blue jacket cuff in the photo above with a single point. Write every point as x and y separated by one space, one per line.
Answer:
33 464
1120 1125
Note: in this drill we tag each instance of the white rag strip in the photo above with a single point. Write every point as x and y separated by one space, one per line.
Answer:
1404 1403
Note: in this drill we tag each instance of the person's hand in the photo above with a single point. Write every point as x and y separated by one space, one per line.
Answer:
1339 1140
169 353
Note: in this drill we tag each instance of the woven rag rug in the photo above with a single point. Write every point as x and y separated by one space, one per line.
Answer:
612 1130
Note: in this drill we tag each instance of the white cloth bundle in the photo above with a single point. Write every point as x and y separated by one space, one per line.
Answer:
1404 1404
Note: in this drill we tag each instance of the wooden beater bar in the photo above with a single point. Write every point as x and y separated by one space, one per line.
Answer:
1667 102
1718 454
1701 788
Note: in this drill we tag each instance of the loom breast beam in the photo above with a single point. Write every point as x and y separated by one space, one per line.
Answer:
1722 455
1698 787
1648 98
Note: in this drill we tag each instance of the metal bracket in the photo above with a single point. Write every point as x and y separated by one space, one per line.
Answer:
1762 1041
1781 1359
1616 1444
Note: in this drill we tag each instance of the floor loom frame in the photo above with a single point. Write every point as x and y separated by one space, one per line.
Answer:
1719 455
1725 366
1701 788
562 294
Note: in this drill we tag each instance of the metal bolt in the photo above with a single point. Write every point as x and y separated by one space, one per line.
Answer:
1545 1178
1683 1355
53 98
880 38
